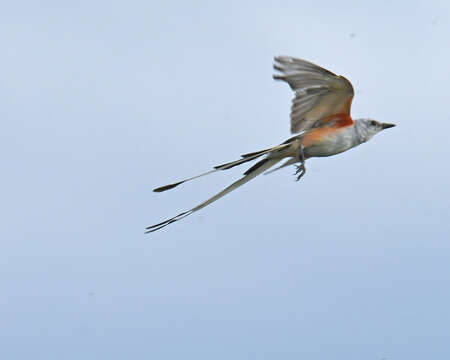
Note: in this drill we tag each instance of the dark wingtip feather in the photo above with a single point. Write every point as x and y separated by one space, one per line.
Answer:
278 67
167 187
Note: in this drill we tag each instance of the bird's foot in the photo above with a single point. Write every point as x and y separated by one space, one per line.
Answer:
301 170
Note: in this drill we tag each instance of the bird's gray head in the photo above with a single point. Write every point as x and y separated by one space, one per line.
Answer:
367 128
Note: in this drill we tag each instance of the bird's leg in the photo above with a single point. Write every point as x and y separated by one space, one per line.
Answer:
301 169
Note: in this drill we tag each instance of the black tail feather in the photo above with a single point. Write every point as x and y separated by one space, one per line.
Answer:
167 222
251 173
168 187
256 166
255 153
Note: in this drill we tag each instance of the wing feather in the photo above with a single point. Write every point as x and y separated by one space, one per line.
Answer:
319 93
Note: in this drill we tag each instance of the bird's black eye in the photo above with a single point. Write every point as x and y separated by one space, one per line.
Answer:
373 123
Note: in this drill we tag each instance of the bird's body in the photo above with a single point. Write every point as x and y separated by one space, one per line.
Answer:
320 115
328 140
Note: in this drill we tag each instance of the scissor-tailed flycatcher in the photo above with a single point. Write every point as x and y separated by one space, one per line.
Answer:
320 116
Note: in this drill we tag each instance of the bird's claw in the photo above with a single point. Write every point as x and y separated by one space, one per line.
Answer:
301 170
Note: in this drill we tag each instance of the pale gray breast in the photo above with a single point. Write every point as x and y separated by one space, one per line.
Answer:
343 140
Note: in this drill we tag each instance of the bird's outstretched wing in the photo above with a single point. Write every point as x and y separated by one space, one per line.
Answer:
319 93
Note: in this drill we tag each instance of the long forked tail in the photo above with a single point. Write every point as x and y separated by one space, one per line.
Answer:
245 158
251 173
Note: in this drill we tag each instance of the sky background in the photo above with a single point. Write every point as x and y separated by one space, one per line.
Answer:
102 101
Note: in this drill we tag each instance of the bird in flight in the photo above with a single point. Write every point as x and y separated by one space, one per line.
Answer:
320 118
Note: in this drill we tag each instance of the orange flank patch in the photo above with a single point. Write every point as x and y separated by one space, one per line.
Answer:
337 120
330 125
317 135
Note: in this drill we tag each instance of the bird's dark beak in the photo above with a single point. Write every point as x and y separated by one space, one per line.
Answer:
386 125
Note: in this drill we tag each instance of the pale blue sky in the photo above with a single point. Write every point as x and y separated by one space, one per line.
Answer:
102 101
